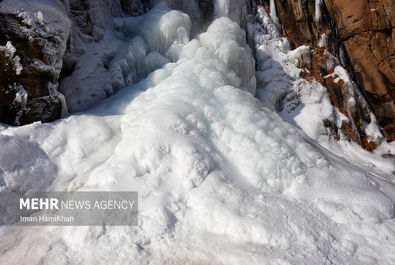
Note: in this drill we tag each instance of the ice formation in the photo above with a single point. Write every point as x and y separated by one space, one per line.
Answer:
318 14
20 101
191 8
323 42
273 12
236 10
222 178
225 39
118 56
9 51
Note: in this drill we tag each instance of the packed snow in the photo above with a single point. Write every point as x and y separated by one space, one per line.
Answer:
222 177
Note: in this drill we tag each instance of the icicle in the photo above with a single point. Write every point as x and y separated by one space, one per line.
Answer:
236 10
182 35
222 8
323 40
235 53
318 14
62 100
53 92
273 13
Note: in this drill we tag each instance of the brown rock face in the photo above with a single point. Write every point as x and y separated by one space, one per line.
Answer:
354 17
299 23
344 95
361 34
367 31
31 51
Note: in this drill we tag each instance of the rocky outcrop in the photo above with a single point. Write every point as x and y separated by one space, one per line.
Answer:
366 29
360 34
33 38
41 42
323 67
300 24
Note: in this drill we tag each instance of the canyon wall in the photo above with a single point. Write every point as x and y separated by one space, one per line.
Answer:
33 39
360 34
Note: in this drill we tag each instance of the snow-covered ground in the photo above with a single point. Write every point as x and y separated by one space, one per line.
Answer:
222 178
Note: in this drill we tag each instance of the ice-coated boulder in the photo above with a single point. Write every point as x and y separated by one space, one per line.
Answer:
33 39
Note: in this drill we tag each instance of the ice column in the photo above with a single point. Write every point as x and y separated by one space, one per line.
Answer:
318 15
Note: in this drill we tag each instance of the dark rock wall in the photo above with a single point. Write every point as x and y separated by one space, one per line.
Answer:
41 37
32 45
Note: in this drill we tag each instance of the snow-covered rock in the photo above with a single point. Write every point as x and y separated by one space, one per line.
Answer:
33 39
336 109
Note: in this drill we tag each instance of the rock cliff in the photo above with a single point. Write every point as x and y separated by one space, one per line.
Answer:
33 39
361 35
